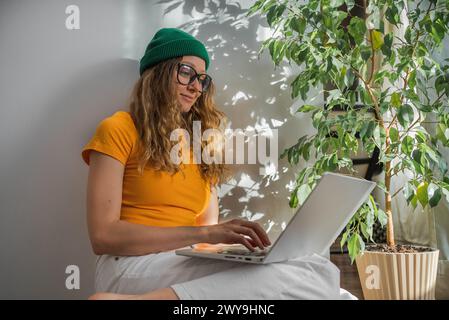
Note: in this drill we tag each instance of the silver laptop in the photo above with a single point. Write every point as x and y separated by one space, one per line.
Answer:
312 229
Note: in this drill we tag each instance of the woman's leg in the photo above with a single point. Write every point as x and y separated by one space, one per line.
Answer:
311 277
143 274
159 294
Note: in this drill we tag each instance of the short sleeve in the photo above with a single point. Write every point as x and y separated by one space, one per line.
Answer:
114 136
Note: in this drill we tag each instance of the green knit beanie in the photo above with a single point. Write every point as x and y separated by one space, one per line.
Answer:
170 43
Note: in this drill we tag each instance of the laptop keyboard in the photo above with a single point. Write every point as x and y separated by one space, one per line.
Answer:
242 252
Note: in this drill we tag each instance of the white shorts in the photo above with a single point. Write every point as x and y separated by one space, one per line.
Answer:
311 277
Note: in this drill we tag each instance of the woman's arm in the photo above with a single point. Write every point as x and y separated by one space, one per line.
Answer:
110 235
210 215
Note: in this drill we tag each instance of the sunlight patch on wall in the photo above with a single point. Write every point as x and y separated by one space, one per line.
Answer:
283 79
277 123
241 22
271 223
252 216
262 33
249 195
220 41
247 183
240 96
290 186
270 170
270 100
250 186
226 188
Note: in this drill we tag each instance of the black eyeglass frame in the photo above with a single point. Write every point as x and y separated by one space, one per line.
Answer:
192 78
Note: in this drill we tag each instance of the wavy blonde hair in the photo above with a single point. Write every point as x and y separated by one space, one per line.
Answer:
156 114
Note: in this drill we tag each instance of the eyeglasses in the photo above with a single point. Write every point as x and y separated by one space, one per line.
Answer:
187 75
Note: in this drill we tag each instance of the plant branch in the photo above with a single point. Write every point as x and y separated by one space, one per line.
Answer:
410 127
400 189
367 86
438 98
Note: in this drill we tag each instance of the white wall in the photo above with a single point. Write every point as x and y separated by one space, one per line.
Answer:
57 84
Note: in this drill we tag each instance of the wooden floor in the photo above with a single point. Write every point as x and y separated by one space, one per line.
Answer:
349 278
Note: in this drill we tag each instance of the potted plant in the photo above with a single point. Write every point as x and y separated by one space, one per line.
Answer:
373 60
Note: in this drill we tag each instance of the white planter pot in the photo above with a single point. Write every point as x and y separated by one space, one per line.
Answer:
398 276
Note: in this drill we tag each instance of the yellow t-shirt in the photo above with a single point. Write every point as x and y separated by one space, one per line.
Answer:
154 198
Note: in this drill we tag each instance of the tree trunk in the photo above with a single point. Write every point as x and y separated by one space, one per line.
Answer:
390 230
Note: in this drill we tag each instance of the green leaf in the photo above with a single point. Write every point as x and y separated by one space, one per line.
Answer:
442 133
408 35
392 15
344 237
367 129
442 83
379 135
419 161
372 205
255 7
357 29
421 136
353 246
365 53
298 24
274 13
306 151
271 15
442 165
395 99
303 192
409 192
361 243
377 39
394 134
277 51
423 107
303 174
430 153
405 115
407 145
290 155
386 47
316 118
307 108
364 230
438 30
294 199
382 217
434 194
422 194
414 202
350 4
336 3
369 224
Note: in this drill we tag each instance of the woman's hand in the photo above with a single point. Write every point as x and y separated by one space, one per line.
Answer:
248 233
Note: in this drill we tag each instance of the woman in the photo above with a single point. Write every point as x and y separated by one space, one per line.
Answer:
141 205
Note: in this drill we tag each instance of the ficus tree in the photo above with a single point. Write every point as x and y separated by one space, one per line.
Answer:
374 60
